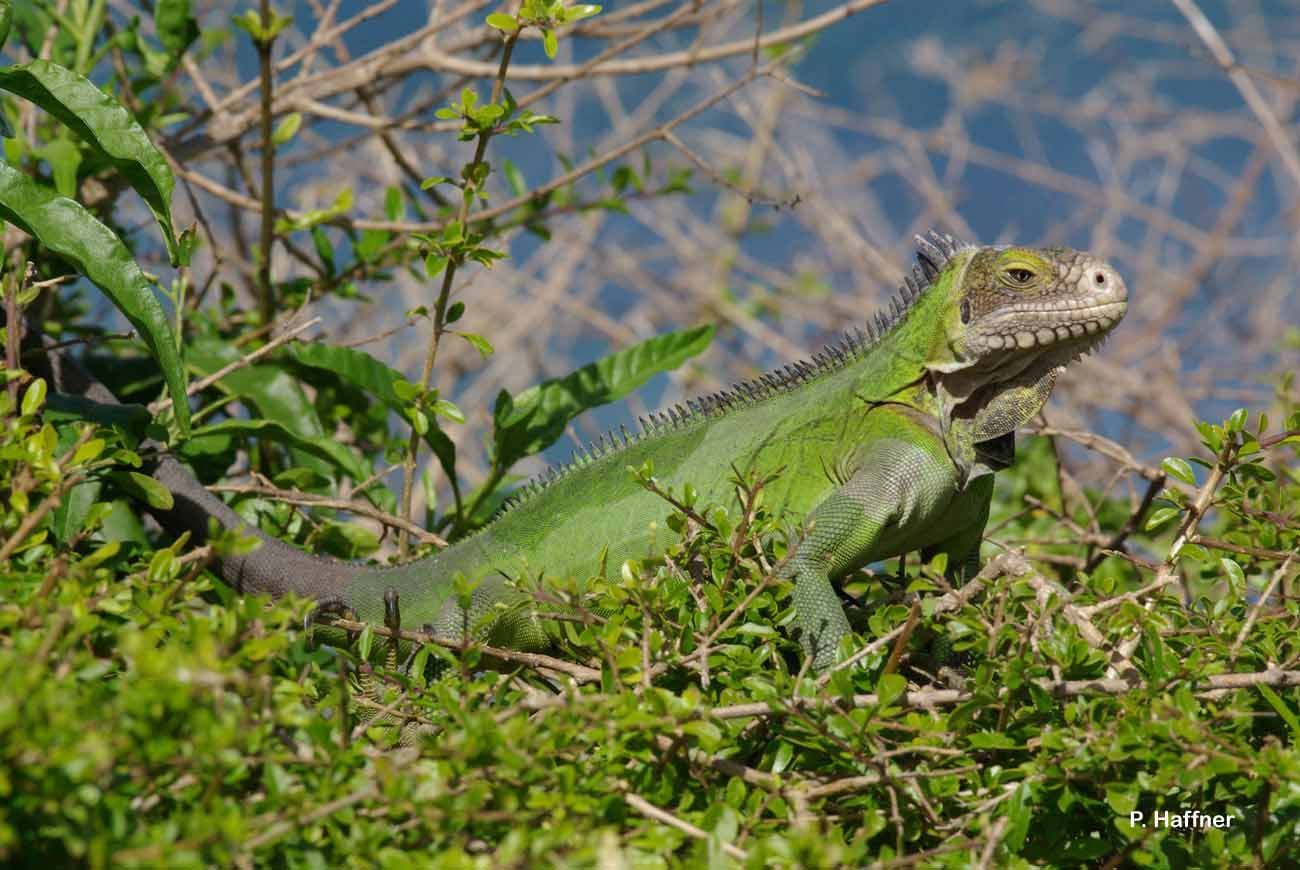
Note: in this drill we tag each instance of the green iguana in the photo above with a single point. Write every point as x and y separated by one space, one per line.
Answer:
885 443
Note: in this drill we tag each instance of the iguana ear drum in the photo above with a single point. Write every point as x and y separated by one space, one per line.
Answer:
965 311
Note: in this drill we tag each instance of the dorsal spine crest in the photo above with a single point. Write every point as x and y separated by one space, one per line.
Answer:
933 251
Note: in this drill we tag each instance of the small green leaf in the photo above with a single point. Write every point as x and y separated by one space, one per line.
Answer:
455 311
481 344
503 22
581 11
287 128
6 19
1234 572
1160 516
145 488
449 410
69 517
514 177
34 397
890 687
1179 468
434 264
176 27
1284 710
550 43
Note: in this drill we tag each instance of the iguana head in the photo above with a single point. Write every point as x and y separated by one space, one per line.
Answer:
1013 319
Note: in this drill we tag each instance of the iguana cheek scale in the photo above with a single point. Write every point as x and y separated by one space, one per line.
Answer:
884 444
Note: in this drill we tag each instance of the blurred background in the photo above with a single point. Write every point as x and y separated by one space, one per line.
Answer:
782 157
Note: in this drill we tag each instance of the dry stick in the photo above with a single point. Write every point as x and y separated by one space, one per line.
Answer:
896 654
246 360
281 827
650 811
998 831
357 507
1044 589
1258 606
228 124
584 169
1244 84
925 698
1186 531
662 62
537 661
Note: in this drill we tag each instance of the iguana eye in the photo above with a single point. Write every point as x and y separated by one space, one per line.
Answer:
1017 275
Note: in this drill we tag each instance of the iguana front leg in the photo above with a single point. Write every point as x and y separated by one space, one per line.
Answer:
963 545
898 486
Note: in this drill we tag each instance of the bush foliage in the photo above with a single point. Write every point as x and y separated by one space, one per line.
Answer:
1120 653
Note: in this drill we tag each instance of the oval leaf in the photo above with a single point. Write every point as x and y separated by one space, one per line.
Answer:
535 419
387 385
76 235
105 124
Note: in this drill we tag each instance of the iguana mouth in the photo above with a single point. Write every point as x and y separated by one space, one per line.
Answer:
1027 328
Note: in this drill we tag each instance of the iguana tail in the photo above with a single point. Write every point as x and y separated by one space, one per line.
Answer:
274 568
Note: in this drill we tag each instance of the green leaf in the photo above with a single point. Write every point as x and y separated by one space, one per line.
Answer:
144 488
890 687
369 374
6 19
534 419
449 410
287 128
1160 516
1019 813
514 177
275 394
481 344
60 407
106 125
321 448
580 11
176 26
354 366
1234 572
64 158
70 515
1284 710
434 264
34 397
550 43
64 227
1180 469
503 22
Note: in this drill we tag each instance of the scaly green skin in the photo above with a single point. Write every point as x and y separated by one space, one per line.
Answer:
884 446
